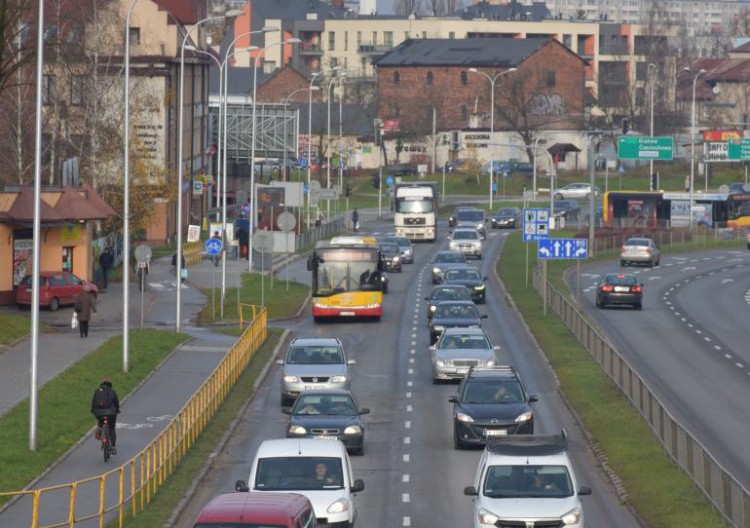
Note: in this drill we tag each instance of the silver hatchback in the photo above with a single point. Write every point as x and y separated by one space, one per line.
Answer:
640 251
313 364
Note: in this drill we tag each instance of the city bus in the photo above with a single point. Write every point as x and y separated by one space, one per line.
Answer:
664 210
347 278
738 207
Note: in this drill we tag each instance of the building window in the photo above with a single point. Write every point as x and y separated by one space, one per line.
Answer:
67 258
359 38
48 89
451 34
331 41
550 79
396 78
76 90
464 78
424 34
334 62
374 37
135 36
430 78
464 113
406 35
388 38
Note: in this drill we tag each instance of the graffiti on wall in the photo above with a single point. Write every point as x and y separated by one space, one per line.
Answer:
546 104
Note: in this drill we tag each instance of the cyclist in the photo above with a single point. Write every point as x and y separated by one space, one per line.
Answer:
217 258
106 404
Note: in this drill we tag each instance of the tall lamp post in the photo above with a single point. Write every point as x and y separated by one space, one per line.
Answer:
309 138
692 144
328 135
652 75
180 163
492 79
286 102
533 179
253 204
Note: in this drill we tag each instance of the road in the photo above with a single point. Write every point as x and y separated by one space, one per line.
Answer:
412 474
690 344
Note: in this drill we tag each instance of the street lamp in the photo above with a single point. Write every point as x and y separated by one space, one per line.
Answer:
253 203
533 179
492 80
286 102
692 143
652 75
309 139
336 77
180 164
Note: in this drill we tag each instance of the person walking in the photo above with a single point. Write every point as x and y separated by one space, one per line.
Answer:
85 307
106 404
355 219
106 260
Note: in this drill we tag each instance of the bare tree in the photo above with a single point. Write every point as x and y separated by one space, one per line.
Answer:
17 42
451 6
407 7
436 8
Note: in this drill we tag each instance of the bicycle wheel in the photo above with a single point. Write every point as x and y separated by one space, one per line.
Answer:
105 441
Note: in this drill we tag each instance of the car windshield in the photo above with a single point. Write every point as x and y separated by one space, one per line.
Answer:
470 216
527 481
463 274
450 257
314 355
472 342
493 391
325 404
298 473
465 235
506 212
451 310
389 248
452 294
619 278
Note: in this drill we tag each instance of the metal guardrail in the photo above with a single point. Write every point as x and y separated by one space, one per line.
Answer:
320 232
128 489
725 492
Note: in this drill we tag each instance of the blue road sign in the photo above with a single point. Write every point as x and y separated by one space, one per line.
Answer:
535 224
389 180
213 246
494 186
563 248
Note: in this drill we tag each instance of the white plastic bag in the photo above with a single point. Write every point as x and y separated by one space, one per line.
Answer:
74 321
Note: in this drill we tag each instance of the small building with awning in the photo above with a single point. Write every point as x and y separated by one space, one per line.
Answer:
560 153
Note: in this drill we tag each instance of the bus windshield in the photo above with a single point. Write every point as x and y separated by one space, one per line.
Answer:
340 270
414 205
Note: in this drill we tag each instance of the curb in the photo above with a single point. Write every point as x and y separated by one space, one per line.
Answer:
190 493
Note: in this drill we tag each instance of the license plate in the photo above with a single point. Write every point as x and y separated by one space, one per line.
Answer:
314 387
495 432
462 370
622 288
347 314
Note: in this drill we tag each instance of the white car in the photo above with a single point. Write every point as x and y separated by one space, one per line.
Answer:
526 480
574 190
466 240
316 468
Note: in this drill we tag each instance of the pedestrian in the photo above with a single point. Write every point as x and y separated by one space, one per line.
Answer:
687 183
106 260
85 307
355 219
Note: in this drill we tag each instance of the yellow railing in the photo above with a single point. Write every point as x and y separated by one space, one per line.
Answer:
192 252
130 487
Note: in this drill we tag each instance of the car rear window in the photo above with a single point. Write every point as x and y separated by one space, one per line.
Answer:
470 215
638 242
450 257
462 275
621 279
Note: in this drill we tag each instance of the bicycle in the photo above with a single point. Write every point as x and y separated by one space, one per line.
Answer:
104 437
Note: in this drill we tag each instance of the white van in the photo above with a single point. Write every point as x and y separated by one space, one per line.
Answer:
526 480
319 469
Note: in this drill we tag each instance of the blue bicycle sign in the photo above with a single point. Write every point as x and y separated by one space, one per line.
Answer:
213 246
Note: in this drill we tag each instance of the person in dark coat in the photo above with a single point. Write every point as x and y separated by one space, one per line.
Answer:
355 219
85 307
106 261
110 409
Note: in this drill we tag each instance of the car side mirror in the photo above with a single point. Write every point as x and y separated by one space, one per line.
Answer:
495 347
364 410
533 398
470 490
432 348
351 361
358 485
453 398
286 410
241 486
279 361
584 490
483 316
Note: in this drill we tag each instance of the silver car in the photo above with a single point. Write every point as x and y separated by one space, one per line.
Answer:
575 190
459 349
639 251
313 364
468 241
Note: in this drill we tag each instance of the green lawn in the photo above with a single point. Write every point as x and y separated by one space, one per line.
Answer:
13 327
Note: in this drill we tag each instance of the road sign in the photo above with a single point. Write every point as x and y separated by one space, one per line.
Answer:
286 221
739 149
535 224
213 246
563 248
263 241
328 194
197 187
645 147
143 252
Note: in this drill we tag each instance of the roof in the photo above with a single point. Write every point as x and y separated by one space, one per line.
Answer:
528 445
187 12
562 148
300 447
307 341
472 52
257 507
60 204
296 9
510 11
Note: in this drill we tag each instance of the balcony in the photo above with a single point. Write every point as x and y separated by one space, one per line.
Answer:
310 48
369 48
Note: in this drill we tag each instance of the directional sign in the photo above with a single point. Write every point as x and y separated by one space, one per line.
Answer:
213 246
563 248
535 224
739 149
645 147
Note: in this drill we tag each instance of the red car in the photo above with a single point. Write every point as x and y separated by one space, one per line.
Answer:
257 509
57 288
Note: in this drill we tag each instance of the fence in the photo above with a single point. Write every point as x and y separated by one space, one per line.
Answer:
727 495
129 488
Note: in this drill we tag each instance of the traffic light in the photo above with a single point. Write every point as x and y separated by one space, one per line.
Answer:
654 182
625 125
347 190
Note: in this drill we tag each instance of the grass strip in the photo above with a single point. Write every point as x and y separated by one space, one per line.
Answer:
661 493
168 497
64 403
13 327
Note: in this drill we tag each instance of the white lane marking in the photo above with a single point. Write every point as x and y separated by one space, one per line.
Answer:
688 268
406 521
717 347
728 356
409 383
408 395
654 278
411 371
409 408
724 281
405 497
407 424
406 457
739 365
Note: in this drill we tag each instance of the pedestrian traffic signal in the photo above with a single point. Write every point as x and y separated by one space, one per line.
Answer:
625 125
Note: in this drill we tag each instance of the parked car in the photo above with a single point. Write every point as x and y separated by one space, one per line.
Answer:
575 191
507 166
459 349
446 292
508 217
56 288
639 250
619 289
329 414
469 277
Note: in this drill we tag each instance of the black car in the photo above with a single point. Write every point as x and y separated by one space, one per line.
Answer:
450 314
446 292
469 277
491 401
620 289
445 260
506 217
328 414
567 209
405 245
390 253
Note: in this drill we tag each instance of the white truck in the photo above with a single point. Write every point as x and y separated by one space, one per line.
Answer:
416 210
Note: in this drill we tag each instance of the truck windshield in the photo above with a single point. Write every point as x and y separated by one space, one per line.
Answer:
414 205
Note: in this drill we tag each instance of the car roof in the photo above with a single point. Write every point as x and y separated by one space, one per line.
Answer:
529 445
331 392
300 447
315 341
266 507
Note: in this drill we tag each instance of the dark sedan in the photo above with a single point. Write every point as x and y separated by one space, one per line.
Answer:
469 277
328 414
450 314
446 292
445 260
619 289
391 255
506 217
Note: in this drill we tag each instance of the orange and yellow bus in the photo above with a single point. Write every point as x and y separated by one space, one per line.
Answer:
347 278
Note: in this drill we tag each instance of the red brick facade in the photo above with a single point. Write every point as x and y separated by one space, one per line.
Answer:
283 83
547 89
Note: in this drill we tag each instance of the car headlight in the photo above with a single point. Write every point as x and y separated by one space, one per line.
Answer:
463 417
480 226
486 517
396 259
291 379
438 328
489 363
339 506
572 517
440 362
453 244
525 417
479 287
297 430
436 271
338 379
433 308
353 429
